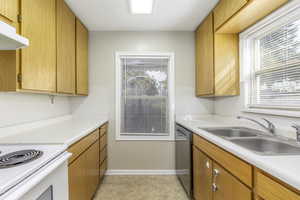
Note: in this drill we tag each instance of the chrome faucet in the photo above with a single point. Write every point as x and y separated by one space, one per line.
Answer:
297 127
270 128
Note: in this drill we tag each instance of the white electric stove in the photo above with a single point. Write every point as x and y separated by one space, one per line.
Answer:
27 171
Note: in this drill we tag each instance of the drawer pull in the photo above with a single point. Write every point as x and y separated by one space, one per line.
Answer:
207 164
214 187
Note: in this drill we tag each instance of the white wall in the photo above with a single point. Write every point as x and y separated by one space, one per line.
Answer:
17 108
103 45
234 106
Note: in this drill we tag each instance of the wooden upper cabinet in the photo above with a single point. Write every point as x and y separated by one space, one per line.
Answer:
226 9
56 60
227 186
38 60
9 11
234 16
217 61
205 57
66 27
202 172
81 59
227 73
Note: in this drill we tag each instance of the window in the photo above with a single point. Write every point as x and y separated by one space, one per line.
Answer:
144 96
270 53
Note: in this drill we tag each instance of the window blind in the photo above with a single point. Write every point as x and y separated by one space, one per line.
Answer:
276 75
144 97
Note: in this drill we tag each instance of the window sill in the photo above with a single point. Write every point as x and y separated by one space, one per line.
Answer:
276 112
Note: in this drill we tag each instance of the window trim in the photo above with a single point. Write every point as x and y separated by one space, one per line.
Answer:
171 89
277 18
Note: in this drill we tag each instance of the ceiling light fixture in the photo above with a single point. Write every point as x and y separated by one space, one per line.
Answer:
141 6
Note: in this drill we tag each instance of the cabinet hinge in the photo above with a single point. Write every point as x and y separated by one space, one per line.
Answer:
19 77
19 18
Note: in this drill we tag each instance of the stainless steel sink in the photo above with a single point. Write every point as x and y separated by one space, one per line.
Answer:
230 132
257 141
267 146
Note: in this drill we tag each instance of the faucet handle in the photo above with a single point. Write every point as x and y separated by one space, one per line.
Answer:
297 127
270 124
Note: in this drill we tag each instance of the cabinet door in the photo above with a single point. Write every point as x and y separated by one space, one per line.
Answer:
38 61
205 58
81 59
269 189
65 49
227 187
202 167
92 157
227 65
9 10
226 9
78 179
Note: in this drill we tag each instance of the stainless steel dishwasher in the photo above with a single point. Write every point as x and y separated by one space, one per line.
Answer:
183 158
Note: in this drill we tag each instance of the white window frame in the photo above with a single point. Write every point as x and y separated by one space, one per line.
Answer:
171 95
283 15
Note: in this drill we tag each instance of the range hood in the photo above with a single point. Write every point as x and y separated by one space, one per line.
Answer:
9 39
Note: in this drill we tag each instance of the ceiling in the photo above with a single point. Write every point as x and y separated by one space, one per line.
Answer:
168 15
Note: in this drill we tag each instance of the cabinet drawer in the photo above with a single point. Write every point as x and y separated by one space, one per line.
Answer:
103 168
79 147
103 130
226 9
103 154
237 167
103 141
269 189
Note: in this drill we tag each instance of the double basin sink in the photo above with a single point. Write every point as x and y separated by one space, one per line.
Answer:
257 141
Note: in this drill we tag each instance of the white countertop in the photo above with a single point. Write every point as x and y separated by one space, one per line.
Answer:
64 130
285 168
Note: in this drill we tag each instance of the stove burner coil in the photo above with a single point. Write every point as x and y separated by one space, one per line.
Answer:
19 158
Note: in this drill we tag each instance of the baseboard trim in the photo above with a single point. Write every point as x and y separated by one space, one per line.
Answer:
140 172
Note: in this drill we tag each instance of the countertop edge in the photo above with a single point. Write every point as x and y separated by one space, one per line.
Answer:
85 133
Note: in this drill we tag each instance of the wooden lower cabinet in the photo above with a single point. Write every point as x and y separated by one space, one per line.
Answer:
267 188
213 182
202 167
103 168
227 187
78 179
86 169
84 174
92 160
220 175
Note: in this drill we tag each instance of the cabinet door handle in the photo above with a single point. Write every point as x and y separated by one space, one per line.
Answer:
207 164
216 173
214 187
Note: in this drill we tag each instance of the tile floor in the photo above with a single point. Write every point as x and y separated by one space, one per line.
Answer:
140 188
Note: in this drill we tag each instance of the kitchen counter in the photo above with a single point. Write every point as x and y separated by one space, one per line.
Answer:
285 168
63 130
